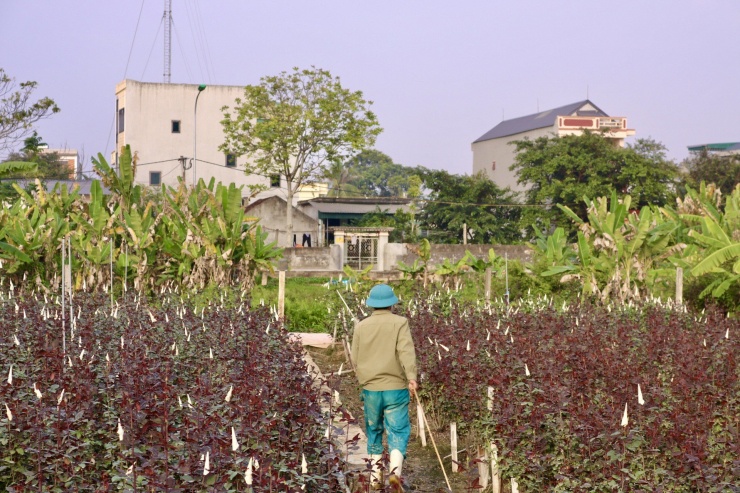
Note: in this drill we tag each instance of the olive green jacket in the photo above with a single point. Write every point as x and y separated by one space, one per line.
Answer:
383 352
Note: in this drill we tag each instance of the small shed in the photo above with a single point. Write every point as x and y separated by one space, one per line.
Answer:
271 212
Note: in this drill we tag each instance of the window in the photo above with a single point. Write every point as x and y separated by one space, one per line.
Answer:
155 178
121 119
175 126
274 181
493 166
230 161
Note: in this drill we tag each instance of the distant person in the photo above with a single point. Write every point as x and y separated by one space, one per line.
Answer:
385 361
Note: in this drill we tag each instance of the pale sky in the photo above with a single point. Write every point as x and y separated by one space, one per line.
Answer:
440 73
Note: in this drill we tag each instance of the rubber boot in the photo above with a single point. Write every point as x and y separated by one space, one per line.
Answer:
376 476
396 466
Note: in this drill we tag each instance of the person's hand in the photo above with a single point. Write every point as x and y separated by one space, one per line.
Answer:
413 386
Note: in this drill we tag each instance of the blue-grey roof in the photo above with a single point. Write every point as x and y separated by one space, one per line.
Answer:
538 120
83 185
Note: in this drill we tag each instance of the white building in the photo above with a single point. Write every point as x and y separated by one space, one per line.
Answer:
493 154
172 138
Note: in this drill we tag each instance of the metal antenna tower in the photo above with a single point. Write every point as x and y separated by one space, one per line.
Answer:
167 18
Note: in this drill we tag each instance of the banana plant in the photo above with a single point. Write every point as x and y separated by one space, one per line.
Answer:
421 263
718 234
619 251
492 261
452 272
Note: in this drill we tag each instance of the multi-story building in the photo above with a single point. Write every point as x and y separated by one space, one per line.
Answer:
493 154
175 131
69 162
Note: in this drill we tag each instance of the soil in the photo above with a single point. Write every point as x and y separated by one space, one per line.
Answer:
421 469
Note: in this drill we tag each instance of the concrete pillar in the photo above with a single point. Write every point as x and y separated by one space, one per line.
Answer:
382 244
339 242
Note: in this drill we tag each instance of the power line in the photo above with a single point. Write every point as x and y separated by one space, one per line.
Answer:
151 50
125 72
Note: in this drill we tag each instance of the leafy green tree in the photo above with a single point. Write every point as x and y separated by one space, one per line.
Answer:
18 113
49 167
564 170
296 125
490 212
375 174
722 170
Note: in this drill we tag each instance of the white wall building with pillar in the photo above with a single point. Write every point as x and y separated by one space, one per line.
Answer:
159 122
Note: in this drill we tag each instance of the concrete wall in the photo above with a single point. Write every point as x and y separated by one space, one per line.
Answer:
311 259
454 253
499 150
327 260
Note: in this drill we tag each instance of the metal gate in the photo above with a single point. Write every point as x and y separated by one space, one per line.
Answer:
360 251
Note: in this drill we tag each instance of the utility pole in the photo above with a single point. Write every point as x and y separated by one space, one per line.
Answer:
182 160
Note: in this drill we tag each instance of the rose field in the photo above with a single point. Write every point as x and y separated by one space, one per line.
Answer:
175 395
156 399
639 398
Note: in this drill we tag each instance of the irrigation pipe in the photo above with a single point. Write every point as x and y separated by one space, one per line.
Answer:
441 464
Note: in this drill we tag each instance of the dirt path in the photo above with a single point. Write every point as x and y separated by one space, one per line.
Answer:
422 472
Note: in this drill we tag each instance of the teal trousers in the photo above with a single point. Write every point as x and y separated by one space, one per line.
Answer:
387 410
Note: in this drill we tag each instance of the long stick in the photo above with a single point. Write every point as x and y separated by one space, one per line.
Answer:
434 444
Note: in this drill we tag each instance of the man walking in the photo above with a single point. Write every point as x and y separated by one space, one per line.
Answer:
385 362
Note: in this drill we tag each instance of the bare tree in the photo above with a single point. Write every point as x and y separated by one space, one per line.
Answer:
18 112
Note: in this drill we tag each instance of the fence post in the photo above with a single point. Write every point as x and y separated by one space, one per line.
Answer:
495 479
453 445
488 285
482 467
281 295
420 419
679 285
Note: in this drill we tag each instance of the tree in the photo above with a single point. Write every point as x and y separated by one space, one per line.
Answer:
340 179
296 125
17 112
376 175
722 170
490 212
564 170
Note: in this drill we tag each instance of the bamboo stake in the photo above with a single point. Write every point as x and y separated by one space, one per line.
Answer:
441 464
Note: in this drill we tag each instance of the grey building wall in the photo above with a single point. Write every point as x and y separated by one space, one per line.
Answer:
271 213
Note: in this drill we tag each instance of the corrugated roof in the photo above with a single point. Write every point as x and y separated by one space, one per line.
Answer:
350 208
538 120
721 146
